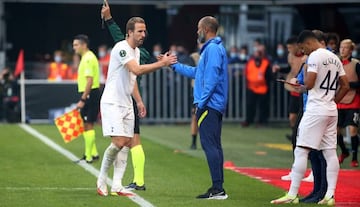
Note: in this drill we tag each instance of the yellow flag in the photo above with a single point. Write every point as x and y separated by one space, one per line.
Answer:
70 125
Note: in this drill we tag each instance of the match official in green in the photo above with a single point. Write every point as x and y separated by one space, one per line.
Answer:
88 88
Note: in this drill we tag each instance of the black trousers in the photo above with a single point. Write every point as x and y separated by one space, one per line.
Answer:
257 103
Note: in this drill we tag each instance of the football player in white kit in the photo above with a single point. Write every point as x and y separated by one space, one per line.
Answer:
327 84
116 105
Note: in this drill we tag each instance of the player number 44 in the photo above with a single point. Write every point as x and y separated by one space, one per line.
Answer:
329 85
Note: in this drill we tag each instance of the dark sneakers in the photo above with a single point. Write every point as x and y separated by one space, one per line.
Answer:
313 197
134 186
213 193
94 158
193 147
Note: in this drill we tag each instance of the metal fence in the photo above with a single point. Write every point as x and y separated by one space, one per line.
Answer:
168 97
166 94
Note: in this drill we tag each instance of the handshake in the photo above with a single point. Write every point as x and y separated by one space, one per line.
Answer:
168 58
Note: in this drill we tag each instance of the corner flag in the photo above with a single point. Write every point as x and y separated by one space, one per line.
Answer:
19 63
70 125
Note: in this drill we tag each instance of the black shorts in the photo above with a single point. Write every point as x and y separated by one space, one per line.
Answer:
137 119
90 111
294 104
348 117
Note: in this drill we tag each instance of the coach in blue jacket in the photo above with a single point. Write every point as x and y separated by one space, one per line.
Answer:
210 97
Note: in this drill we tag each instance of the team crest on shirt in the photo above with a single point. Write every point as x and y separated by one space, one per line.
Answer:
122 53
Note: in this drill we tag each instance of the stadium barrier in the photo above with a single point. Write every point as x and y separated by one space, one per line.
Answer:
166 94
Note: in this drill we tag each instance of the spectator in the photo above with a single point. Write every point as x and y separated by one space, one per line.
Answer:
256 45
58 69
258 75
9 90
281 57
74 66
355 52
172 49
332 42
183 56
157 50
243 54
233 55
104 58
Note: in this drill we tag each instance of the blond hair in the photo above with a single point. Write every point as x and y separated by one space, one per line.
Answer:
349 42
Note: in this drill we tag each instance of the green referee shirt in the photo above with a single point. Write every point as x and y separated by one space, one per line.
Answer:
88 67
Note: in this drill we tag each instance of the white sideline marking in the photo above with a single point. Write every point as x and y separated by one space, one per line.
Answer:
136 198
46 188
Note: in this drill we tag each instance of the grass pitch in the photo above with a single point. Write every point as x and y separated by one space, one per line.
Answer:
34 175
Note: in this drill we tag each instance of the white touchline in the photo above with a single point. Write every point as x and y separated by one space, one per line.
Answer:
45 188
136 198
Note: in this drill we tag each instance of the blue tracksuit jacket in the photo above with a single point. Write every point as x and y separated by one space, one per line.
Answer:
211 76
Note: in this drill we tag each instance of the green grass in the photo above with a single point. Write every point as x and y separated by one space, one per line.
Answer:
32 174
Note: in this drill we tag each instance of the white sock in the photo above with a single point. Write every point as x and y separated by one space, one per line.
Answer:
332 170
119 169
298 169
108 159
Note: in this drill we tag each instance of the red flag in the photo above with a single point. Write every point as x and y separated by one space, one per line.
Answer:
19 63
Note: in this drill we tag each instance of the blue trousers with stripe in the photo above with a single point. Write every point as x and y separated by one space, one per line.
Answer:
210 124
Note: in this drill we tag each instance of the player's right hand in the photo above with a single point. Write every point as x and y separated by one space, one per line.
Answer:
169 59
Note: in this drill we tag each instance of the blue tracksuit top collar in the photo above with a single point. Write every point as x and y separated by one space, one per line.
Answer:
216 40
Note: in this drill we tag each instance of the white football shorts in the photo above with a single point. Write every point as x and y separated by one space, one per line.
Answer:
317 132
117 120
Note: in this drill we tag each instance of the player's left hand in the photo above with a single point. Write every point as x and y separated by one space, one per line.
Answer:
300 88
142 109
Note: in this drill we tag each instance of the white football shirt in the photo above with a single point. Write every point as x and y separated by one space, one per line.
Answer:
328 68
120 81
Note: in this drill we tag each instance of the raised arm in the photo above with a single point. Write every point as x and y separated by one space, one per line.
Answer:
114 29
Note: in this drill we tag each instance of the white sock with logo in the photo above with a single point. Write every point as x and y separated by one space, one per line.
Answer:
298 169
119 169
332 170
108 159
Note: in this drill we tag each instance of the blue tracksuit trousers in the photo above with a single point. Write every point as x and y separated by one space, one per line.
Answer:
210 124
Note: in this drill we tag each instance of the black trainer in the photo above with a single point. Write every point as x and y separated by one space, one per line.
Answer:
134 186
84 159
213 193
313 197
95 158
193 147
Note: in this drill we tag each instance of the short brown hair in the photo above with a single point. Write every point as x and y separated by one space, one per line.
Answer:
130 25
